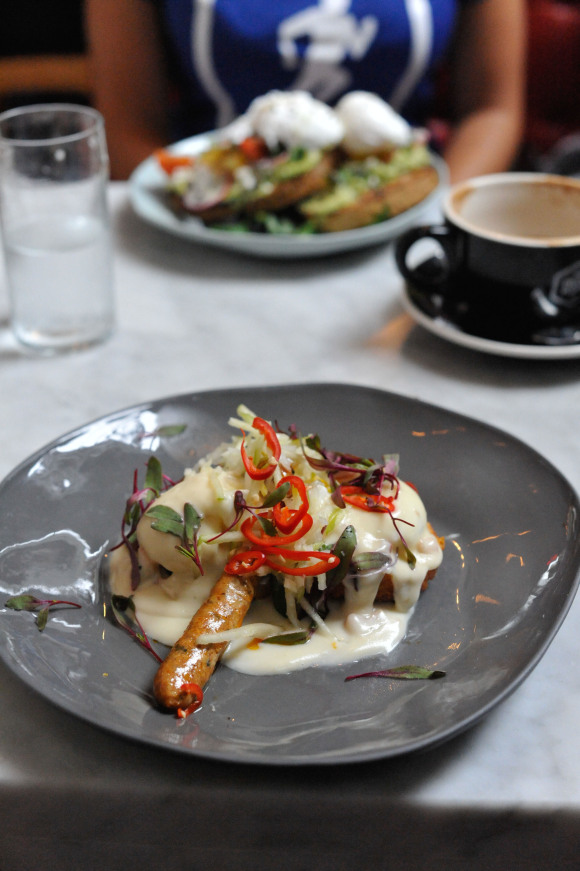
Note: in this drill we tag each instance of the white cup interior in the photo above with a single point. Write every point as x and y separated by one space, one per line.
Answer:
522 208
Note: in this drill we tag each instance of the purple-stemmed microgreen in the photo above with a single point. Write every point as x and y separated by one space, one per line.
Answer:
411 558
340 468
137 504
191 525
240 505
292 431
402 672
359 472
123 608
186 528
350 469
27 602
239 508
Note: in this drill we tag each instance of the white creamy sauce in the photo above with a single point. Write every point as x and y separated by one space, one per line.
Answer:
356 627
164 607
344 642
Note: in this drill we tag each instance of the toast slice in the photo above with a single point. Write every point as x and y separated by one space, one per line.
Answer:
372 189
286 192
223 183
377 204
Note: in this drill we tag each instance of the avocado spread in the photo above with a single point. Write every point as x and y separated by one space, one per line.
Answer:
355 177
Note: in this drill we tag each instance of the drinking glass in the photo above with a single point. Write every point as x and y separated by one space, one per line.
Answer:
56 234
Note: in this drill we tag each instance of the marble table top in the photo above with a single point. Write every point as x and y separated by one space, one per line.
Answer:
193 319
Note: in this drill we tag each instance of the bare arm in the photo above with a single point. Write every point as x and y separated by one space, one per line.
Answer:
488 77
130 83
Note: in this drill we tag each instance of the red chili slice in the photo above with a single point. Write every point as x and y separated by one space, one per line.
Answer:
324 561
285 518
197 691
245 562
254 532
359 498
260 473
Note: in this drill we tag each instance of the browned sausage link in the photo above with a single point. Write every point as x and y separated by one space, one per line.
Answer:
188 662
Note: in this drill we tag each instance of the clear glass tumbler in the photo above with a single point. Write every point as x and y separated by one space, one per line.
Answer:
56 235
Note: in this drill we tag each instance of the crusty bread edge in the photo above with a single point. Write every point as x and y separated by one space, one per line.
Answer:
387 200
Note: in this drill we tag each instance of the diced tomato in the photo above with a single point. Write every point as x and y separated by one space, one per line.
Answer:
169 162
254 148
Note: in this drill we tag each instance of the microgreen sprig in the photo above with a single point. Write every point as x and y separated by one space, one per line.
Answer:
27 602
123 608
360 472
350 469
137 504
402 672
240 505
186 528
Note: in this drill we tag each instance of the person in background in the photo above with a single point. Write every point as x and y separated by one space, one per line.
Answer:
166 69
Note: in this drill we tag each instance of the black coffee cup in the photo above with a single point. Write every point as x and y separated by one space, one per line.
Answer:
509 242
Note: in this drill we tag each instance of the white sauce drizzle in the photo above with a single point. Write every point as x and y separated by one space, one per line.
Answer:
355 628
343 644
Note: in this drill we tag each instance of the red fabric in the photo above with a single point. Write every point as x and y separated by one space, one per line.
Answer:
553 87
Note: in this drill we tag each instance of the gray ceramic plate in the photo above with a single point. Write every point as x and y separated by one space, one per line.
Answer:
509 575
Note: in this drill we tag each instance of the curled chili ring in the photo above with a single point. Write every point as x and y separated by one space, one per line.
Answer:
325 561
254 532
245 562
260 473
197 691
286 518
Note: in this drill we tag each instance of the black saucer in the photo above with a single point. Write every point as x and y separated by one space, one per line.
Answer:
496 320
